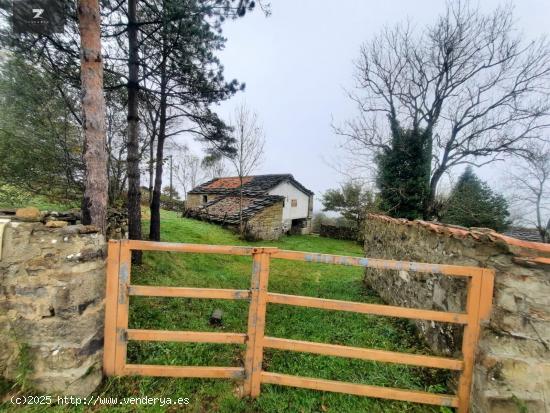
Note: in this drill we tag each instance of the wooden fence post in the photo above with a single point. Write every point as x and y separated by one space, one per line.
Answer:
111 294
122 307
469 341
256 323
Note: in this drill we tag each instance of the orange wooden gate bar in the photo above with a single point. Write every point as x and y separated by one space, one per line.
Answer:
117 333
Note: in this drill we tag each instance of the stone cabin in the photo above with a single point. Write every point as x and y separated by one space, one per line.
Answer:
272 204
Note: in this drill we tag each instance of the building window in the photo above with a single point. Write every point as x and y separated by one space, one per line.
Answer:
294 203
204 199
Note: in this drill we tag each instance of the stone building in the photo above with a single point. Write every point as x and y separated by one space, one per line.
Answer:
272 204
512 371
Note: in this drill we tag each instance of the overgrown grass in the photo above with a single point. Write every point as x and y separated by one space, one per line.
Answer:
311 279
12 197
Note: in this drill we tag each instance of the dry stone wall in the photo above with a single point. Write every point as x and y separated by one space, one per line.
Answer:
51 304
512 372
267 224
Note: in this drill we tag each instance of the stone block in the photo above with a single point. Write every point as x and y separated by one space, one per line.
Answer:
28 214
56 224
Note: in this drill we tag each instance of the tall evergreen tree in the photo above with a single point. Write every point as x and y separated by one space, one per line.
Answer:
403 177
40 143
472 203
132 36
185 78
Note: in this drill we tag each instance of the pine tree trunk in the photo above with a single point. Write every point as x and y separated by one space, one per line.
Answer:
93 116
154 228
151 168
134 190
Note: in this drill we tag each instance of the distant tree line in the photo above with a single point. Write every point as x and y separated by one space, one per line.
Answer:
471 203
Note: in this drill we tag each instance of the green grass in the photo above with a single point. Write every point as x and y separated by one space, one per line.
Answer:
311 279
11 197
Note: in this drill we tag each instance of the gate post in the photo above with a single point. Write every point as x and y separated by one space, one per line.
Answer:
111 294
123 301
256 321
469 340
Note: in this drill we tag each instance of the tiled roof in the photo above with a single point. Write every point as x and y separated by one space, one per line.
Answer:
226 209
252 185
519 247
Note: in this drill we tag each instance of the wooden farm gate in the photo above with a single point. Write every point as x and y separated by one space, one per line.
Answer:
117 333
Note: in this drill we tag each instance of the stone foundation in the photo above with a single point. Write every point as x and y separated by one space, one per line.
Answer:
51 305
512 369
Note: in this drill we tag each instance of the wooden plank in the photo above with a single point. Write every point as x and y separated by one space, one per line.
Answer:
187 371
214 293
186 336
487 285
197 248
256 325
366 308
111 295
360 389
122 306
452 270
469 342
363 353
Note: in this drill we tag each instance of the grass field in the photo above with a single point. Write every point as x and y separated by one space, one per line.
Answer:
319 280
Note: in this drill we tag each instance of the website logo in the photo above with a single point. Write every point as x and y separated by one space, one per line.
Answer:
38 16
37 13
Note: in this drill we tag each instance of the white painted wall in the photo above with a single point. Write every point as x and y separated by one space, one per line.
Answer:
290 192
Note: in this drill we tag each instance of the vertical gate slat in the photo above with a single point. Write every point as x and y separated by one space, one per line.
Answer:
256 324
122 307
469 341
111 294
486 299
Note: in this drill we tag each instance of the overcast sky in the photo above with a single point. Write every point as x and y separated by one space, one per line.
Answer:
297 63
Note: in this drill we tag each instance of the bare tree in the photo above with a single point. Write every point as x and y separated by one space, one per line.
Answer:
531 185
469 82
93 115
188 170
250 143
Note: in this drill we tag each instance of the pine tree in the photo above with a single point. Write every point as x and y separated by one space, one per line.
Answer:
403 177
472 203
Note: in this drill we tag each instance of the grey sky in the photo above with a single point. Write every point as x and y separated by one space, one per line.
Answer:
297 63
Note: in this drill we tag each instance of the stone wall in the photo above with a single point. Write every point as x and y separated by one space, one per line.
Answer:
51 305
267 224
195 200
512 370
